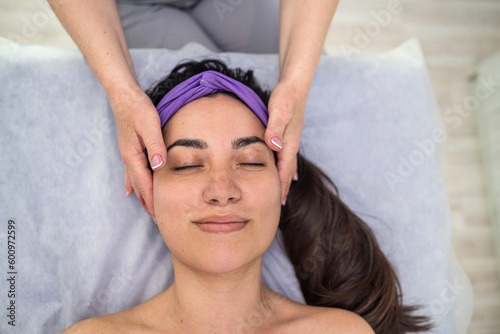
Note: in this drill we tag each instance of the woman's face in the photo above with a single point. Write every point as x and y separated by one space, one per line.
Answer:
217 200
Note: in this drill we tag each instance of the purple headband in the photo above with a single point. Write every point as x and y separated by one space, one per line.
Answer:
207 83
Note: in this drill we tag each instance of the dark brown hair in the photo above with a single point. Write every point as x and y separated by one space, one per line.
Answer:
336 257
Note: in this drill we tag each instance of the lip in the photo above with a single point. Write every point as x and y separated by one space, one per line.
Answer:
221 223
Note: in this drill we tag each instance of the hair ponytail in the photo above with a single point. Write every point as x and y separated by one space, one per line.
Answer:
336 257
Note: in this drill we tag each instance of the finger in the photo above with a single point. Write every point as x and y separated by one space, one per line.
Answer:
147 196
142 182
136 190
132 162
295 173
286 164
138 194
152 137
279 117
128 184
274 132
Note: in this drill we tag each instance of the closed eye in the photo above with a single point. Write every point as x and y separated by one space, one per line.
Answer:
253 164
187 167
246 164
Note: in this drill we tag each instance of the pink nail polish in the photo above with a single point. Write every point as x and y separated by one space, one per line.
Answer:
127 192
284 201
296 176
277 142
156 162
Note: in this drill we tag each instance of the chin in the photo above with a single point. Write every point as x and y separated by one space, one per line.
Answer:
221 257
221 253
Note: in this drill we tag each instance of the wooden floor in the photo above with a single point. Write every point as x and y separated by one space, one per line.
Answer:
455 35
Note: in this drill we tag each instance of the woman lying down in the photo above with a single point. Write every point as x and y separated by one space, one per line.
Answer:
218 206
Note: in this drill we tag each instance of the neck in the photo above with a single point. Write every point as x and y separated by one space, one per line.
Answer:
200 302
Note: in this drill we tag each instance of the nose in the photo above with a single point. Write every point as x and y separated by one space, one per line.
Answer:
222 188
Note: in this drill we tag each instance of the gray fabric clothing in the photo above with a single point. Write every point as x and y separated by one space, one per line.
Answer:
176 3
221 25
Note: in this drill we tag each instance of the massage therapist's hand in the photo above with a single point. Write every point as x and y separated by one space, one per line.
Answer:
138 127
96 29
303 29
286 116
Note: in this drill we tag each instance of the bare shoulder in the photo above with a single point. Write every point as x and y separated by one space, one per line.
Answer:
341 321
312 319
122 322
93 325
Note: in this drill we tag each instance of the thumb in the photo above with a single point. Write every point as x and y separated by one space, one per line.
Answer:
153 141
275 130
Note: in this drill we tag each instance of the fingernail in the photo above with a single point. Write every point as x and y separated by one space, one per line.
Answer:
296 176
284 201
276 141
156 162
128 192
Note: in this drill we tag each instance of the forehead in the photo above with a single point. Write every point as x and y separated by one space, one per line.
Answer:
213 114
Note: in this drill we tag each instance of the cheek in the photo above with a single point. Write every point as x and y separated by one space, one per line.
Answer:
267 192
266 196
171 196
172 204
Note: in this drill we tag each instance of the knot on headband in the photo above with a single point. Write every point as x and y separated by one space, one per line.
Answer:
207 83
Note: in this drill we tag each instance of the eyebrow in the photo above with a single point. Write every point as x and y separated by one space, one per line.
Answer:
194 143
202 145
245 141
